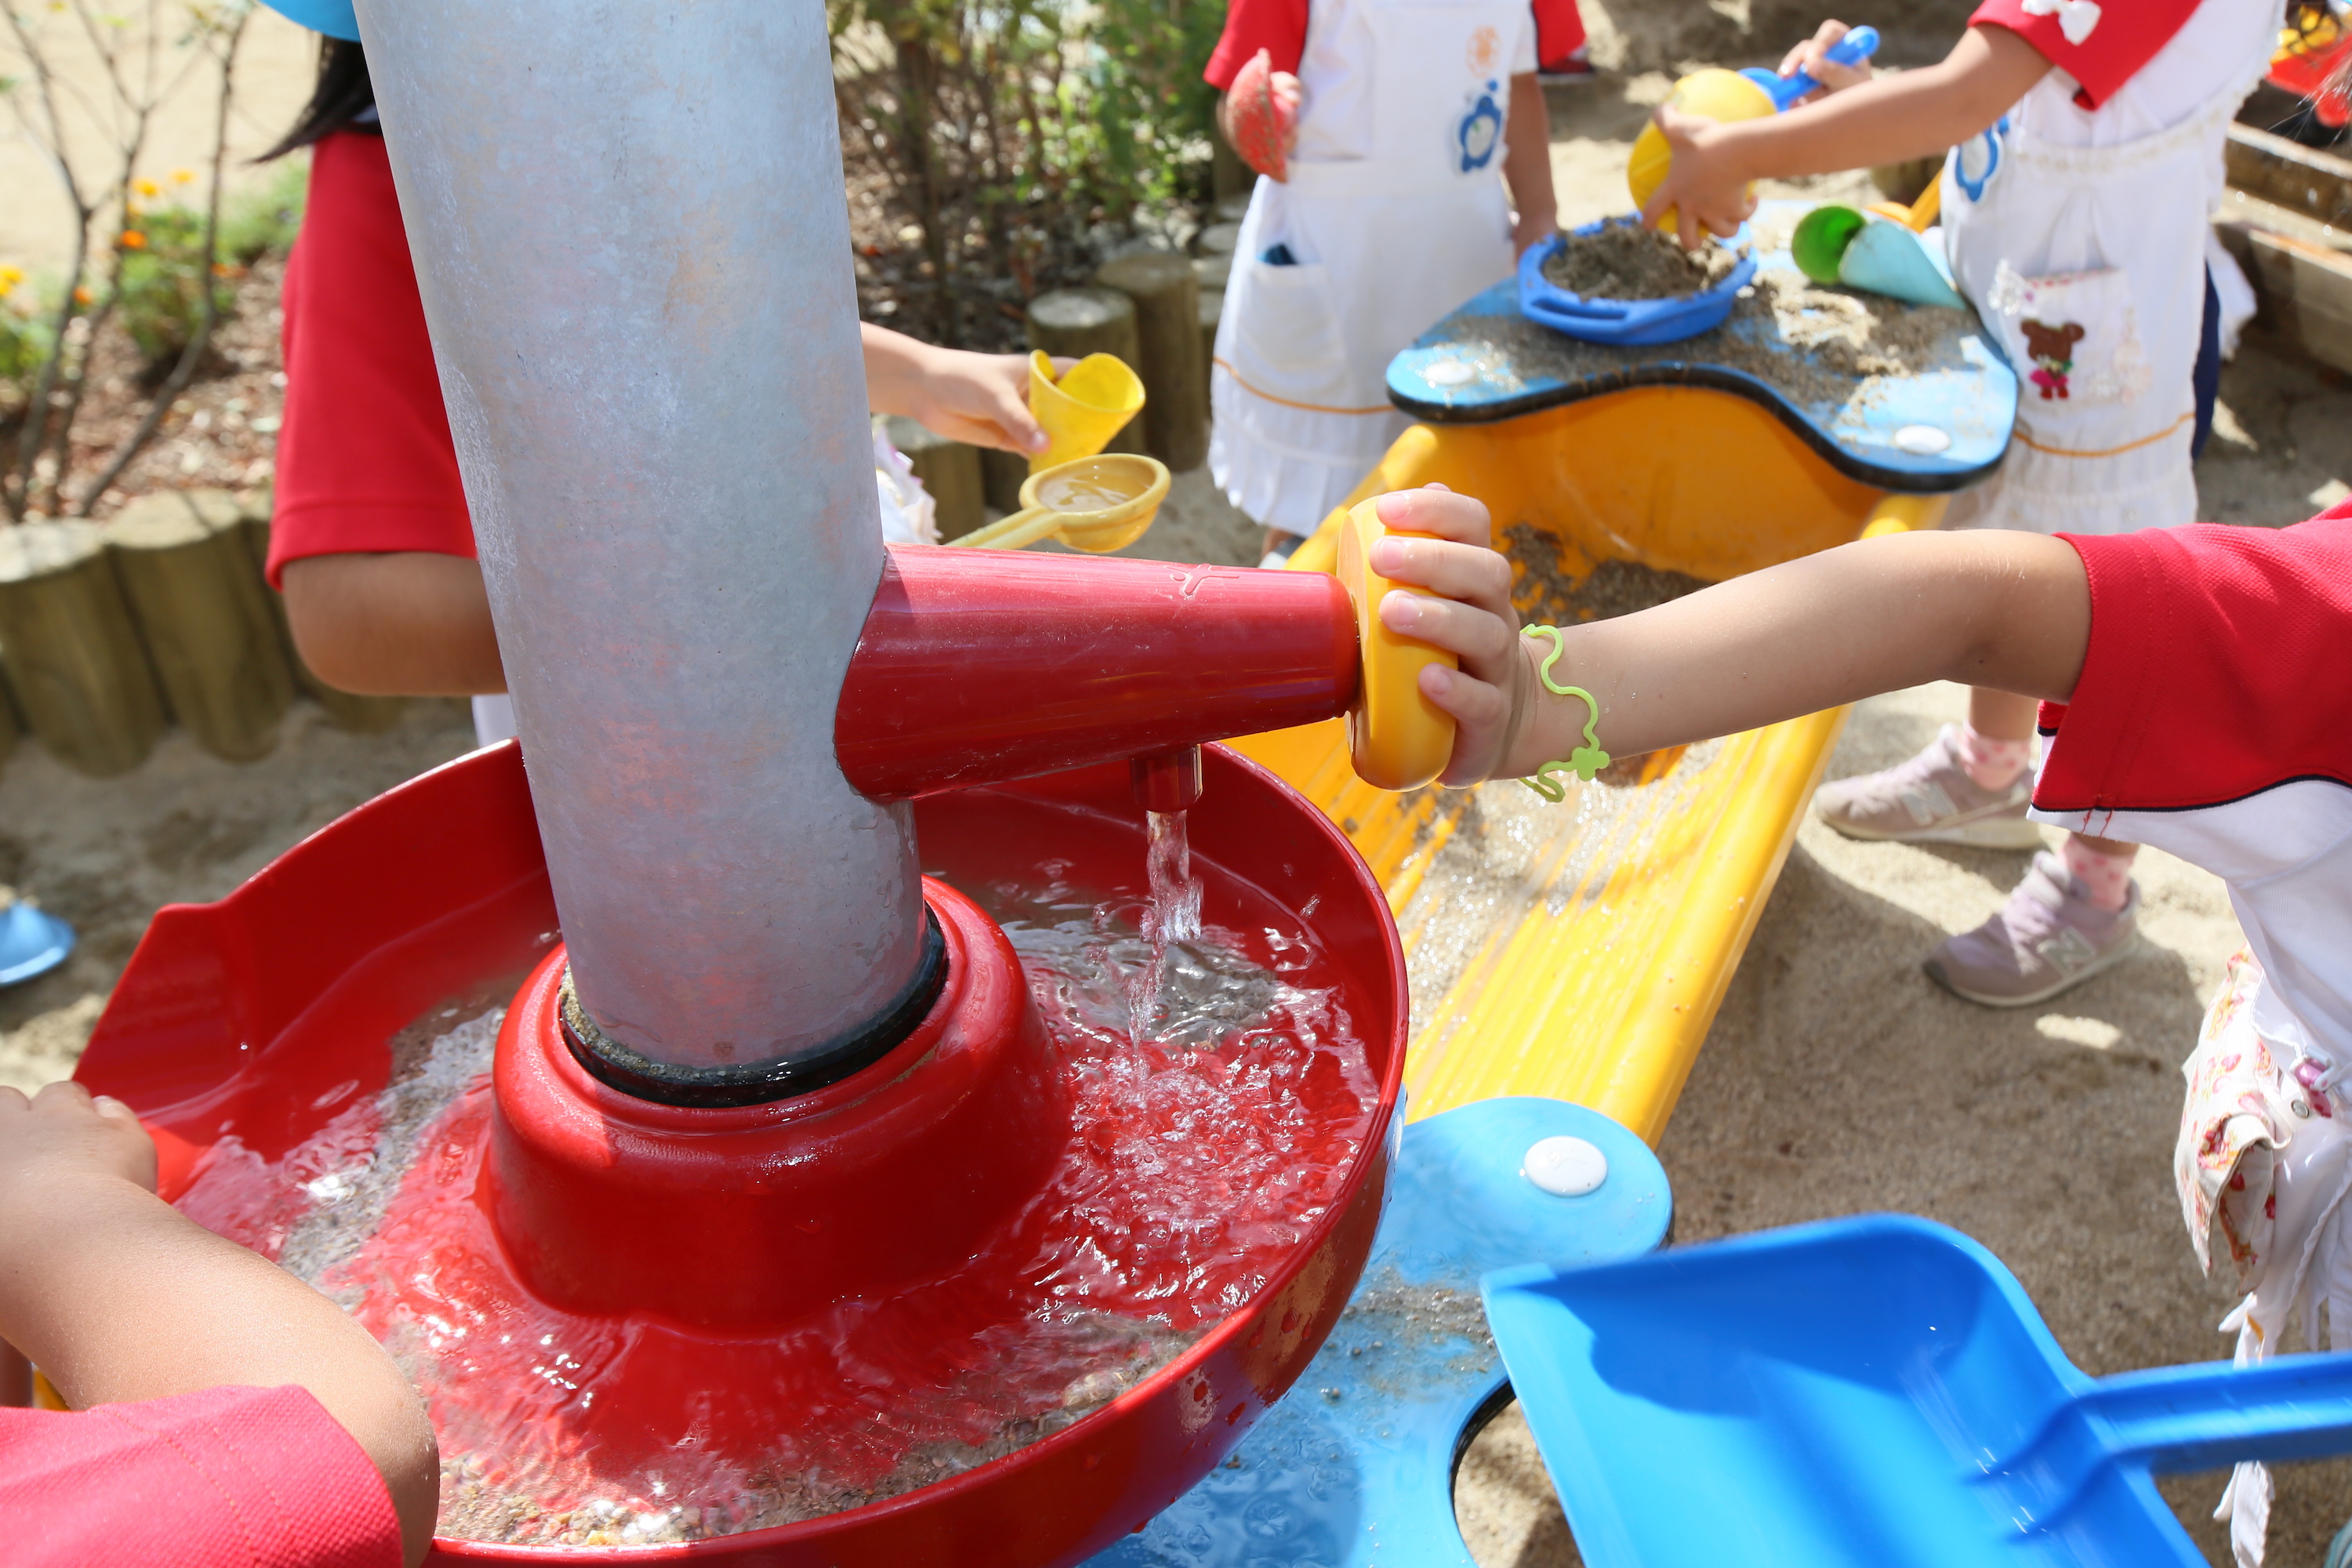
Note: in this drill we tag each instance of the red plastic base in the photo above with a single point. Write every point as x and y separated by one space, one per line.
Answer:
607 1203
261 1016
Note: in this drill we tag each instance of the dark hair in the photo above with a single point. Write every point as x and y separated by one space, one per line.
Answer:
343 94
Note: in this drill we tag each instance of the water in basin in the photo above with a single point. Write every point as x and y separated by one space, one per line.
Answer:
1219 1098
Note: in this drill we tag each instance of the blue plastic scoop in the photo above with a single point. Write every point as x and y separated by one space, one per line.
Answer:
1858 44
1874 1392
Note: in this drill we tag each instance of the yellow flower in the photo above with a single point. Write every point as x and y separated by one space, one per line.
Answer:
131 209
181 176
147 187
134 240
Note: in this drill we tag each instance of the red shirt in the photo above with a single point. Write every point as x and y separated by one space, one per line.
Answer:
1279 27
365 458
2214 721
2126 38
2219 666
224 1478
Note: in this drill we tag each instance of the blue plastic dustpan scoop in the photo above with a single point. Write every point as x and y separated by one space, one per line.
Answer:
31 942
1876 1393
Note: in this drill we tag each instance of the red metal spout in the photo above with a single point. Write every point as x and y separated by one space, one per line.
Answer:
976 667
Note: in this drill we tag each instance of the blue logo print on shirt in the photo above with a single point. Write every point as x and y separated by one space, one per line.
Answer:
1480 133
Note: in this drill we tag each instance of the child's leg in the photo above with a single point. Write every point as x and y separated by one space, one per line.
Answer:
1969 787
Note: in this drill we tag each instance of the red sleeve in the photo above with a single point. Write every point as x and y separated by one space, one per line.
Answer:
224 1478
1278 26
2216 669
365 458
2123 38
1560 31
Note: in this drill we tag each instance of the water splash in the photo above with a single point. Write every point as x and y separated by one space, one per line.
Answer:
1172 915
1200 1159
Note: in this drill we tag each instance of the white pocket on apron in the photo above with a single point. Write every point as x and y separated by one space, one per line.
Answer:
1289 346
2073 337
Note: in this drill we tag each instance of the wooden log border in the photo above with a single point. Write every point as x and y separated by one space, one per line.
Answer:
204 610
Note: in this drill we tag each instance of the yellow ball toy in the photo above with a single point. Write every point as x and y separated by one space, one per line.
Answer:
1711 94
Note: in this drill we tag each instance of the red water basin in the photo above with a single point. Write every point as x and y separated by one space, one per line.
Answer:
261 1015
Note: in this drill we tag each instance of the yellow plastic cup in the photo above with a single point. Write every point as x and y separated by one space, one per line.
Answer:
1084 409
1099 503
1711 94
1397 738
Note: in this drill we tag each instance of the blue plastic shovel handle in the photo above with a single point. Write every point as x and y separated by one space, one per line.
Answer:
1857 46
2178 1418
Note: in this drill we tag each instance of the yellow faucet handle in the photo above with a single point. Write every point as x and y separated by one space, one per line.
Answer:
1397 738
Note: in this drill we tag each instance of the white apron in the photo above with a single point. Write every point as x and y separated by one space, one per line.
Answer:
1384 246
2088 264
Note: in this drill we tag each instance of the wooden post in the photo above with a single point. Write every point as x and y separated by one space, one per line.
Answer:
70 650
1229 177
1002 475
1219 240
1212 309
950 471
189 578
345 709
9 726
1076 322
1166 298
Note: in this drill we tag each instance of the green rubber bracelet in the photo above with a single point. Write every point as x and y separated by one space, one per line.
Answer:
1587 759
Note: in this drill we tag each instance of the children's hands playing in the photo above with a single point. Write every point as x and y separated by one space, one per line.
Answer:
981 399
1707 191
1809 57
1491 696
63 1134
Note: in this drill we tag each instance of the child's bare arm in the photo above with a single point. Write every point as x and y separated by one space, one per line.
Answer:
119 1298
1526 164
1910 114
981 399
403 623
2010 611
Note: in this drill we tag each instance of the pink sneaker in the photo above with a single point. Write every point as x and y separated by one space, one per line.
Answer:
1930 800
2047 938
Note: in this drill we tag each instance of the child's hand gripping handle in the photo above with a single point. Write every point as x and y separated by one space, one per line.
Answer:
1857 46
1397 738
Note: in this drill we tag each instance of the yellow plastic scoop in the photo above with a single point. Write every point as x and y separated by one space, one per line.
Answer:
1397 738
1095 503
1084 409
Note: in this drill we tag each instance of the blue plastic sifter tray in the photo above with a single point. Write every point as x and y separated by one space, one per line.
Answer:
1625 321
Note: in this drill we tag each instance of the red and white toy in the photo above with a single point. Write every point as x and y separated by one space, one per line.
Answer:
1261 122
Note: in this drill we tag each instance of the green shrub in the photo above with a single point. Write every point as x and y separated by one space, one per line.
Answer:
261 220
160 297
24 340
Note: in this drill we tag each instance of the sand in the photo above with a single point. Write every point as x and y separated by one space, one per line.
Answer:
1624 261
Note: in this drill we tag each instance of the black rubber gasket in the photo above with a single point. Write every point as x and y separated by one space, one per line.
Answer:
1717 378
757 1083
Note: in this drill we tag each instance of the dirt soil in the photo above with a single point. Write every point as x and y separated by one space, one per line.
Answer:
1624 261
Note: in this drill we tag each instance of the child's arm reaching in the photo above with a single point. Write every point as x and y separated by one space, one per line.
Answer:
120 1299
1526 164
2001 609
1910 114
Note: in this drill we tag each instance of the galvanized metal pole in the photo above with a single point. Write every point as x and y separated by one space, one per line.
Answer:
630 231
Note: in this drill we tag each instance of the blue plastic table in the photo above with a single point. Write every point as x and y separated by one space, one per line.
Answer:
1354 1468
1487 362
